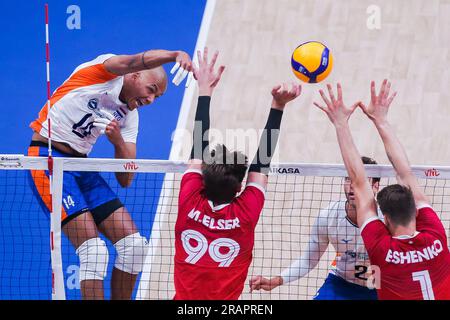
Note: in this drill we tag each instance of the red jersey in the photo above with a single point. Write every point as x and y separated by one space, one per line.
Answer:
411 267
213 244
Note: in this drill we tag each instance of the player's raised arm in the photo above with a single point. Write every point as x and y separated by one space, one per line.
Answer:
123 64
377 111
207 79
259 169
339 114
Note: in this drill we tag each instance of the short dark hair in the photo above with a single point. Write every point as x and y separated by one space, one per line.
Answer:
367 160
397 202
223 173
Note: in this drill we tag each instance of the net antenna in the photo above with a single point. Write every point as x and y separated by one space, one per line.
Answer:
58 292
47 58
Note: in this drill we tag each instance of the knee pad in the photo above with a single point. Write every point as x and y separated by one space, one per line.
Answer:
94 258
131 253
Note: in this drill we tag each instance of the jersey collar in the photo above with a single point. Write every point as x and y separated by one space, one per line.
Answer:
217 208
350 221
346 216
405 236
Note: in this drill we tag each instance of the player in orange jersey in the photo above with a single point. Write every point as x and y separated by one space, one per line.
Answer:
101 97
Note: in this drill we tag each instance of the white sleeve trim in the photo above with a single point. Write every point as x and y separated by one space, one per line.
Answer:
422 205
369 220
193 171
257 186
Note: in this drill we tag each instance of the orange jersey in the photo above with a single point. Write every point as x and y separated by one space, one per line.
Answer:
79 100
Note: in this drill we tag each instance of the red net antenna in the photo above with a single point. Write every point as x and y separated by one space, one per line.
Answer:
47 58
55 224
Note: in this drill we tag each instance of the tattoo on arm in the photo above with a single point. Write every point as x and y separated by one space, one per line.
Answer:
143 61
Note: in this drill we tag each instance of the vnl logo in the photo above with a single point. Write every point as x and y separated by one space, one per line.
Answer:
130 166
432 173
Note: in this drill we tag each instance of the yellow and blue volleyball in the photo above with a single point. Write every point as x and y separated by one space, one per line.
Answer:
312 62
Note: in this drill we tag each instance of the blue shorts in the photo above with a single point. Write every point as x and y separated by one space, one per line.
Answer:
336 288
82 191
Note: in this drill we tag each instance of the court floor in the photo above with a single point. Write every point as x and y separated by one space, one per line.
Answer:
404 41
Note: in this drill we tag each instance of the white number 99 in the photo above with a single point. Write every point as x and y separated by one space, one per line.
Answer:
196 252
224 259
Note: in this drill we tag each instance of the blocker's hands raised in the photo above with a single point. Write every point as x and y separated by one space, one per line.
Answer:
379 104
335 109
282 95
207 78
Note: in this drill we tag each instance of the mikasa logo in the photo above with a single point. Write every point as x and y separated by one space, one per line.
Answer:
285 170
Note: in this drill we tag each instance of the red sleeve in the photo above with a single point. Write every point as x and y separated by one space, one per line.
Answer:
190 187
251 202
376 239
428 221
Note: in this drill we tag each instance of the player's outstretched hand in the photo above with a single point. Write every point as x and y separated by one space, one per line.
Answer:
378 107
207 78
335 108
183 67
259 282
282 95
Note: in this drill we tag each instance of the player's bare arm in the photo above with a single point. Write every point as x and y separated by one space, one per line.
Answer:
282 95
262 283
339 114
123 64
207 80
377 111
122 150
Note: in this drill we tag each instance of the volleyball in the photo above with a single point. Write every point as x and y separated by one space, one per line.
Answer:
312 62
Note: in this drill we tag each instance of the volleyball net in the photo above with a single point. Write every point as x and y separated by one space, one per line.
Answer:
295 195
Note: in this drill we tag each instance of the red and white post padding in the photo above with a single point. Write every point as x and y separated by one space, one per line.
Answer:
55 178
47 59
